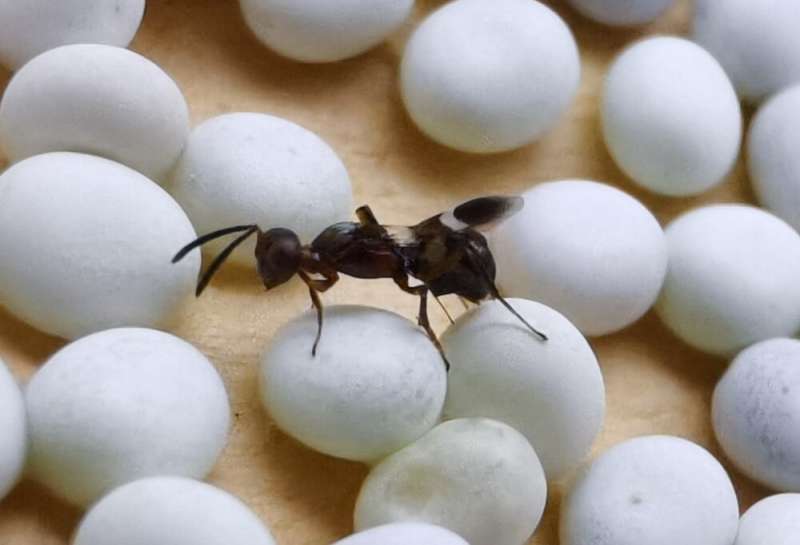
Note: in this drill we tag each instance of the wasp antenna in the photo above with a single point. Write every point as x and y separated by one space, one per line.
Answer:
220 259
208 237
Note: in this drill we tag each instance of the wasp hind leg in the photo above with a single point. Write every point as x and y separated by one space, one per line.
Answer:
496 295
480 268
422 318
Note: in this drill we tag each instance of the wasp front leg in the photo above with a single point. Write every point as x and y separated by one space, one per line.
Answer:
315 287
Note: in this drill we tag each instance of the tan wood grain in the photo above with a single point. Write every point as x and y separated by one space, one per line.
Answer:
655 384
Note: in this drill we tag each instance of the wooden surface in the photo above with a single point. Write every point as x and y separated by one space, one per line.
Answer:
654 383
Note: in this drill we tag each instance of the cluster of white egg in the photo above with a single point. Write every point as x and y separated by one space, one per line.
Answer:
109 181
517 411
128 419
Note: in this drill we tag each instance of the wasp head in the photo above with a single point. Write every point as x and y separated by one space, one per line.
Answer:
278 255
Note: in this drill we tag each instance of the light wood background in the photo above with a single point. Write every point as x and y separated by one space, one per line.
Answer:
654 383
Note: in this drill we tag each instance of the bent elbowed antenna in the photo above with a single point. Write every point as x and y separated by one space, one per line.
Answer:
205 277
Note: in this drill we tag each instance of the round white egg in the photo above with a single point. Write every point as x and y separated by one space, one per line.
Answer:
772 521
773 161
756 42
321 30
34 26
621 12
488 77
87 244
652 490
404 533
551 391
732 278
671 118
586 249
375 385
477 477
756 413
120 405
96 99
244 168
13 447
171 511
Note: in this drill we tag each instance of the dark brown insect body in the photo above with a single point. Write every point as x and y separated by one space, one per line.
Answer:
446 253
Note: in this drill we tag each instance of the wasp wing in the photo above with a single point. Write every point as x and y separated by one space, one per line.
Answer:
482 213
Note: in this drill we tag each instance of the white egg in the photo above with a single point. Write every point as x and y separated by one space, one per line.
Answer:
404 533
96 99
732 278
14 444
375 385
487 77
171 511
654 490
321 30
756 413
87 244
773 160
586 249
671 118
244 168
477 477
772 521
551 391
622 12
120 405
34 26
756 42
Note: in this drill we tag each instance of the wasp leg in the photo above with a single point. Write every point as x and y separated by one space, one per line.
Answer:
318 305
463 302
422 319
315 287
426 325
496 295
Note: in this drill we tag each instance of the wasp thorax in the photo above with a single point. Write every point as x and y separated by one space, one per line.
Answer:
278 255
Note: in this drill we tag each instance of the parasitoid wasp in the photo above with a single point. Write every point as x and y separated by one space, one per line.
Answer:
446 253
